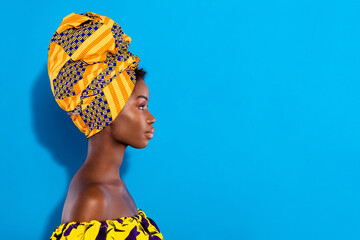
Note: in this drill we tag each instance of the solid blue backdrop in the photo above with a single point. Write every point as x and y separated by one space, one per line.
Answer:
257 118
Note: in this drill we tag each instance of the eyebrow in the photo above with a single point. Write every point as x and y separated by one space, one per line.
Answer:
141 96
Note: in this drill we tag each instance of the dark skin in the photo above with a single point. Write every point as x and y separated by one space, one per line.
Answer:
96 191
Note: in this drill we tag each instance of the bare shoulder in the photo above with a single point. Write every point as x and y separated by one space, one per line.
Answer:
89 203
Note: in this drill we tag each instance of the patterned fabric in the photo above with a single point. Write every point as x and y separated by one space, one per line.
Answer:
91 70
125 228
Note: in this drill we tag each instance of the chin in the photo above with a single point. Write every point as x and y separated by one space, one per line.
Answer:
140 145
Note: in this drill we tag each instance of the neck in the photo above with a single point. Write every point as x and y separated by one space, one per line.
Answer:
104 157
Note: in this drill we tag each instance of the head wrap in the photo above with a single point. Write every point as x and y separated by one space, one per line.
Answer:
91 70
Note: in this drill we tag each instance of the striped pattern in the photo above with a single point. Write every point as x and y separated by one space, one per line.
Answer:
91 70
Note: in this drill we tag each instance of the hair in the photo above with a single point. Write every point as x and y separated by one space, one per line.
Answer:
140 74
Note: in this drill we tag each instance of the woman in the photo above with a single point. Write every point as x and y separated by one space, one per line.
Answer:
96 80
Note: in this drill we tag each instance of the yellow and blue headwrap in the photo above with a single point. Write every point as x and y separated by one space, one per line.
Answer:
91 70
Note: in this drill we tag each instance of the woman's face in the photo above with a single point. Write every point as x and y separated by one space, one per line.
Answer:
134 122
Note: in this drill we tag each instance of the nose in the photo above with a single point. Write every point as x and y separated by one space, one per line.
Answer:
151 119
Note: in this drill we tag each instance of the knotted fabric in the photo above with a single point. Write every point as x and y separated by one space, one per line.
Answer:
91 71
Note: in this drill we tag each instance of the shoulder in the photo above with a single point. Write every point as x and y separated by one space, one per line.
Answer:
90 203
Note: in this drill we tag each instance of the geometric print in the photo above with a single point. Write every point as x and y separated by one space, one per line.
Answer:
72 38
70 74
85 54
117 32
99 82
97 114
132 75
138 227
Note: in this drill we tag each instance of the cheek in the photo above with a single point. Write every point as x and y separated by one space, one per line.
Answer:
131 126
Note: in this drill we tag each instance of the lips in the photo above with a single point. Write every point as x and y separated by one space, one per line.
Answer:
150 133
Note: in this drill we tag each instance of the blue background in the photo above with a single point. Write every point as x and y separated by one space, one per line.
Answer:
257 118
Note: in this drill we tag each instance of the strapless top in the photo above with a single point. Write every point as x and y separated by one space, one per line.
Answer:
138 227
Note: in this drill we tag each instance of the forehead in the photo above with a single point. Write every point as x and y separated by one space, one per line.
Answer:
141 89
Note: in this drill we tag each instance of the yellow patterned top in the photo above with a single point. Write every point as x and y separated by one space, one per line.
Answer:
126 228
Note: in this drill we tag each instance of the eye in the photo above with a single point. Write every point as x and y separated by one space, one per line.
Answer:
141 107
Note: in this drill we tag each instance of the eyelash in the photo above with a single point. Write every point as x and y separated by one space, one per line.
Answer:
143 106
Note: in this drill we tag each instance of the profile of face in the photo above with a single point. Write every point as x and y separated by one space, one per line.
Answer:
133 125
